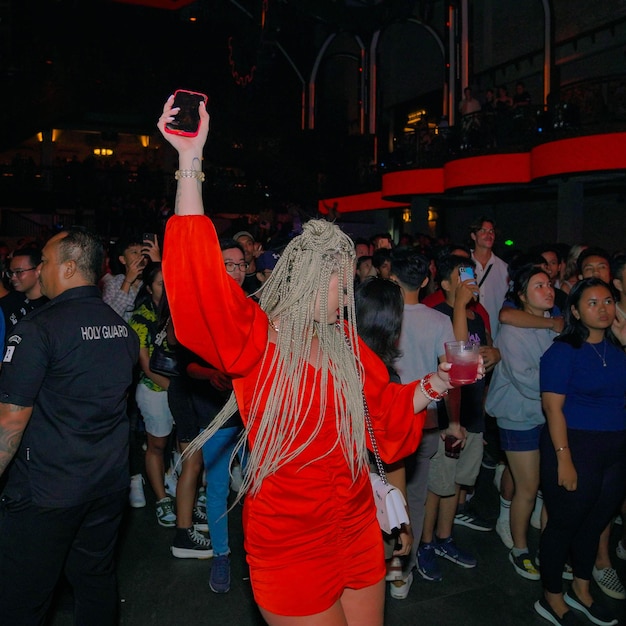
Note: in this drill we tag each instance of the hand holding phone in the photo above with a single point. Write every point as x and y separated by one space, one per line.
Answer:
187 120
466 272
151 247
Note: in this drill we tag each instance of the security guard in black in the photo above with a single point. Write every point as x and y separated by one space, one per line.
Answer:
72 361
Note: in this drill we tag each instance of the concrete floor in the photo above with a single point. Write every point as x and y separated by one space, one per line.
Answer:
157 589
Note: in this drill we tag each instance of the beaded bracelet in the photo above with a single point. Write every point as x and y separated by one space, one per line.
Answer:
190 174
427 389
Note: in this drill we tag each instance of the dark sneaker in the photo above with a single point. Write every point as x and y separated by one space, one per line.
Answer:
189 543
447 549
200 520
524 566
427 565
220 574
465 518
545 610
166 515
596 613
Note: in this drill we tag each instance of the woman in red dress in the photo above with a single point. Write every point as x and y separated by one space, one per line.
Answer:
300 377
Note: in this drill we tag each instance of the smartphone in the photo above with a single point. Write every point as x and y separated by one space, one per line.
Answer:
150 237
187 120
467 273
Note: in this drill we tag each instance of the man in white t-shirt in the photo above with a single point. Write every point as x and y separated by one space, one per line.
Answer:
492 273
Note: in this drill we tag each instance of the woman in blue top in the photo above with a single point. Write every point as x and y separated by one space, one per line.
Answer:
583 450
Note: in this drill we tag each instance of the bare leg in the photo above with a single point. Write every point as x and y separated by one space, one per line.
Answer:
187 488
603 559
447 511
507 487
155 465
581 589
356 607
556 602
524 467
431 512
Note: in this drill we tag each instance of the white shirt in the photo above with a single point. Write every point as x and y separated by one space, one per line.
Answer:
494 288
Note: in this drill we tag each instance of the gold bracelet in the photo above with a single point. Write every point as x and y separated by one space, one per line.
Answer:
190 174
561 448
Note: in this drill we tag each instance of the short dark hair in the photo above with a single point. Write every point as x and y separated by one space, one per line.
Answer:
125 242
380 256
86 249
33 253
381 236
448 248
409 266
618 263
550 247
591 251
448 263
362 260
477 224
229 244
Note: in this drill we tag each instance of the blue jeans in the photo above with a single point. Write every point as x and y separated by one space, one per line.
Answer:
216 453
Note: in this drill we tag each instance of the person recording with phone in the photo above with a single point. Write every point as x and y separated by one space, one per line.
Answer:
121 290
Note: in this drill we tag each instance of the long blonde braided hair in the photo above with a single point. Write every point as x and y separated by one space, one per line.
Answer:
301 279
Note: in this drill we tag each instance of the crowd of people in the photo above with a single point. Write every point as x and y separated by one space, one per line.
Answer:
253 369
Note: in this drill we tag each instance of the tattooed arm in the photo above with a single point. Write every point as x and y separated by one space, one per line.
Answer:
13 421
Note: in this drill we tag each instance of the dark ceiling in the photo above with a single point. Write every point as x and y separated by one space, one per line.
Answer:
76 62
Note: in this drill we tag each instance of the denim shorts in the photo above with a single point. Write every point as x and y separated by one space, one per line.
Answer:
155 411
520 440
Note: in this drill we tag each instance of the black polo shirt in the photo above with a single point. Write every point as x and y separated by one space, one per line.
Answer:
72 360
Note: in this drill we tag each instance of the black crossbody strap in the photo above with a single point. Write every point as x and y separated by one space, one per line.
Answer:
482 280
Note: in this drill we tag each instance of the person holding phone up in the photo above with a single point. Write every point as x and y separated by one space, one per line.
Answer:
300 377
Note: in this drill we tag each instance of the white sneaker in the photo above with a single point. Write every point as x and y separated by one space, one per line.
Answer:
535 518
503 528
136 497
236 478
399 589
620 550
170 480
609 582
497 476
394 569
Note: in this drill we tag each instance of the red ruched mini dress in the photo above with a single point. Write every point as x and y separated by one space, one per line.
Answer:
310 527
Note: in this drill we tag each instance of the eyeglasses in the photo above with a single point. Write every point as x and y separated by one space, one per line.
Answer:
18 273
230 266
486 231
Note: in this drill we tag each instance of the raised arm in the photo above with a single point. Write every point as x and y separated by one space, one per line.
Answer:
190 175
211 314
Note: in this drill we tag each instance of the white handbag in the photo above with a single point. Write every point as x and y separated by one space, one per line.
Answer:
390 503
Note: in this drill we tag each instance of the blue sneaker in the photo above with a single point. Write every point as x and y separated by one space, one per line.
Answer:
427 565
220 574
449 550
